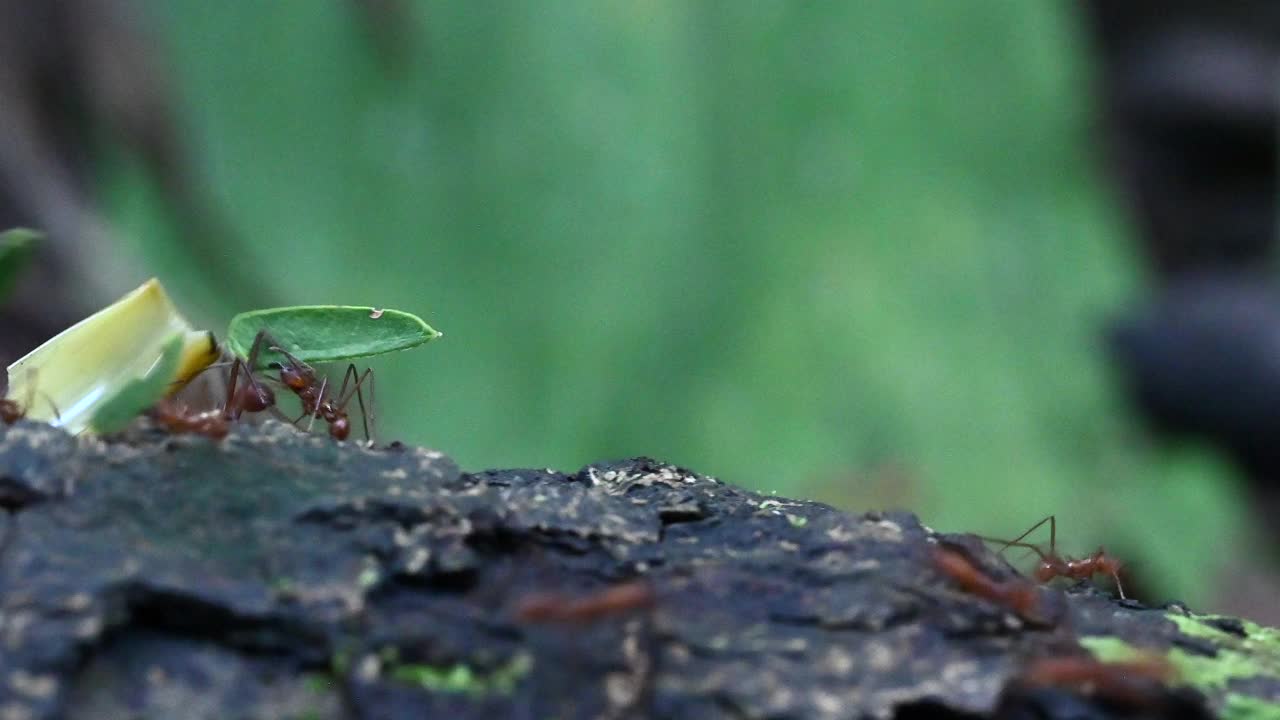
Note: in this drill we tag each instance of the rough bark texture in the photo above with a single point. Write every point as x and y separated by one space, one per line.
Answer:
278 575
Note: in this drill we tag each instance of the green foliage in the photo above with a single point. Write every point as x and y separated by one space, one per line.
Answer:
789 244
1238 659
17 248
139 394
463 679
326 333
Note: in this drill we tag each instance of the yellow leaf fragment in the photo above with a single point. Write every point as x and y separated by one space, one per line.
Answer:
83 366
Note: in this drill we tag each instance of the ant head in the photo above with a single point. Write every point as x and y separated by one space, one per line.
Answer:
1107 563
340 428
1046 570
11 412
294 377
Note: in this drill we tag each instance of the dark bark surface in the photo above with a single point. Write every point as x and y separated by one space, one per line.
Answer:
277 575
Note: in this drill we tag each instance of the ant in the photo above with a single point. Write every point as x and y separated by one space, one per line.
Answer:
11 411
1135 683
1017 595
301 379
250 397
215 424
1053 565
212 423
614 600
253 397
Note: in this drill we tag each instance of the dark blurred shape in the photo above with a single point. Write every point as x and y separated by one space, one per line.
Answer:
73 74
1189 97
390 29
1190 94
1203 361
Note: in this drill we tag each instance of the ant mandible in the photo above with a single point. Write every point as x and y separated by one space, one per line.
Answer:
1053 565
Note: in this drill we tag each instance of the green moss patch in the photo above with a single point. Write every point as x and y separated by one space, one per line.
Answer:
1256 654
462 678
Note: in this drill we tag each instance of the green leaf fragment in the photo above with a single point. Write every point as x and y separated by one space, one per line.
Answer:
328 333
17 248
138 395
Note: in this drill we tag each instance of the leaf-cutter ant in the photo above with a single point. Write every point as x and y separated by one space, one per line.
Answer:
1053 565
302 380
1016 594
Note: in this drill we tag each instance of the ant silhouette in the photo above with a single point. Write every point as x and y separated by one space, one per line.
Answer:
216 424
177 419
611 601
301 379
11 411
253 396
1016 594
1053 565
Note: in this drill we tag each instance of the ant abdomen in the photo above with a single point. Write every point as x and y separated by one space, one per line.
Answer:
254 398
339 428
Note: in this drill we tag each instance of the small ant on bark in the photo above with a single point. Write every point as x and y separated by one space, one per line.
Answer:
212 423
11 411
614 600
1140 682
1022 597
1053 565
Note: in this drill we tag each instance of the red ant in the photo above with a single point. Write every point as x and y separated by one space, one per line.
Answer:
301 379
614 600
253 397
215 424
11 411
1017 595
212 423
1135 682
1053 565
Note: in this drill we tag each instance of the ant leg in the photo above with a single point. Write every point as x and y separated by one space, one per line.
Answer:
1119 588
370 421
351 372
249 365
31 391
1018 544
236 366
319 399
227 409
366 413
52 405
1053 532
344 397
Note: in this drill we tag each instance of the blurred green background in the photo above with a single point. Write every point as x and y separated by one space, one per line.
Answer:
854 251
